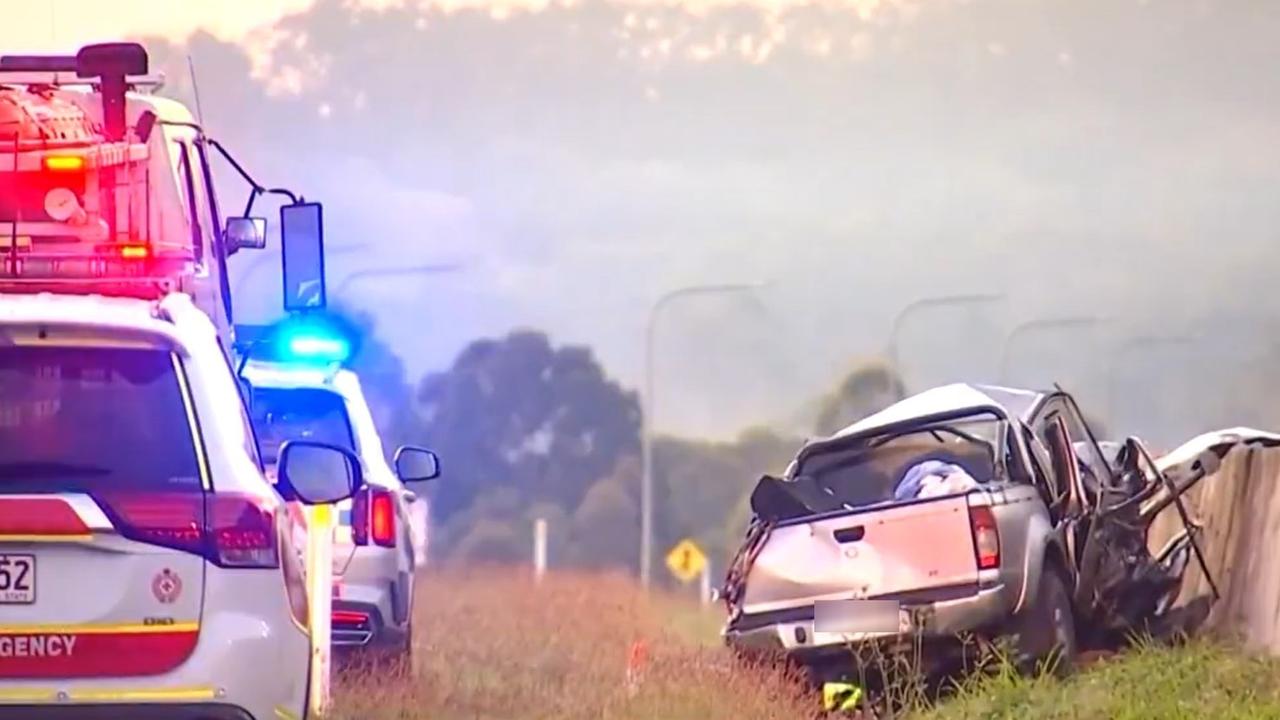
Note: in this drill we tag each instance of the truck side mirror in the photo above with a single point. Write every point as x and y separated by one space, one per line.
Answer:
302 256
245 233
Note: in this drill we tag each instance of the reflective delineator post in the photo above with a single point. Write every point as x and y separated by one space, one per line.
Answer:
320 601
704 587
539 548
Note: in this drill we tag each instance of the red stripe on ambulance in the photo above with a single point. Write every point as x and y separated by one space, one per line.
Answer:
96 654
39 516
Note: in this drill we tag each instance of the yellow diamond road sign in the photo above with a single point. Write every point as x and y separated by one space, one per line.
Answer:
686 560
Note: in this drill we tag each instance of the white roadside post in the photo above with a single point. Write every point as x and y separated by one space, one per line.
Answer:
704 589
539 548
319 563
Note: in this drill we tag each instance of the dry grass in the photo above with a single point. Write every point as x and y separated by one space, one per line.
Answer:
492 644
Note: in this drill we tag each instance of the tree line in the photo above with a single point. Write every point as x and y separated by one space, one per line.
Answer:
529 429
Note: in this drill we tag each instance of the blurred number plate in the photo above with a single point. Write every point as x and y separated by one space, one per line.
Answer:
17 579
860 616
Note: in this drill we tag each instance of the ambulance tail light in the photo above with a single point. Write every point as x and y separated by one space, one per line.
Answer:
229 530
172 519
242 532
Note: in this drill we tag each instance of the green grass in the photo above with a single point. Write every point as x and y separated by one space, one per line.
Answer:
1199 680
493 645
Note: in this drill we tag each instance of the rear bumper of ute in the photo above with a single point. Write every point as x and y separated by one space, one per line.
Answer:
792 631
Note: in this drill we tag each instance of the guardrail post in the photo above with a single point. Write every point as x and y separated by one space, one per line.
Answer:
539 548
320 601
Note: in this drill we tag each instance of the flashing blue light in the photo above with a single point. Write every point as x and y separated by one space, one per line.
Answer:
310 343
318 347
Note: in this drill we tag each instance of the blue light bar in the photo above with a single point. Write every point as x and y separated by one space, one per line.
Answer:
332 348
305 340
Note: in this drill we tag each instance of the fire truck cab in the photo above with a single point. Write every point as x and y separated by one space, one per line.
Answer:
100 178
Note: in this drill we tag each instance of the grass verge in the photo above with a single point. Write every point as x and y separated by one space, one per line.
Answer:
492 644
1201 679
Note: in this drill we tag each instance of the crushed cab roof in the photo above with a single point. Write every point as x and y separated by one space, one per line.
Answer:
946 400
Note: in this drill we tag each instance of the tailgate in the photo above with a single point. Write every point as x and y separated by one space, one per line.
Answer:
873 553
79 600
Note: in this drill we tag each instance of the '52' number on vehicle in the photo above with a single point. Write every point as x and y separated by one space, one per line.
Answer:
17 579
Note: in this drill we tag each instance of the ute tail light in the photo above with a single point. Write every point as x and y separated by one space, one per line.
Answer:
986 537
373 517
229 530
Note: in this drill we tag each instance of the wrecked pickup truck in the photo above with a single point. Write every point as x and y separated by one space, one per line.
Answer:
964 512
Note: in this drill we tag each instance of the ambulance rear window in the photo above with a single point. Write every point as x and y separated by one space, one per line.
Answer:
90 418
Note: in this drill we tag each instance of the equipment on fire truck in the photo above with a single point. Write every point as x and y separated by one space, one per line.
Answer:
74 193
89 199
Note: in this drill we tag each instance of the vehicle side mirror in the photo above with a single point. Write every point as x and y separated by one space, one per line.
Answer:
415 464
245 233
317 473
302 256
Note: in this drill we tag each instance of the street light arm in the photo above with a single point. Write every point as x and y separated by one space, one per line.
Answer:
395 271
1062 322
920 304
1128 347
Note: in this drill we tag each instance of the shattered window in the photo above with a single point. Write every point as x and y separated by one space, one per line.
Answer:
946 457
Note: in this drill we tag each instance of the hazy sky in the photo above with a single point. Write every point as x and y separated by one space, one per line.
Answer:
578 160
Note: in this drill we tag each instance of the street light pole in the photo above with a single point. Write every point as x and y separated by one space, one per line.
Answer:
1041 323
647 412
922 303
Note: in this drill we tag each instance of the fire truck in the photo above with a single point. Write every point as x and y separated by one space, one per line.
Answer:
101 179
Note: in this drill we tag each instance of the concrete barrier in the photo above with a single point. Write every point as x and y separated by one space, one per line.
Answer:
1240 509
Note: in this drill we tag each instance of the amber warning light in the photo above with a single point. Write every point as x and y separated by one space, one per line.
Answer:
64 163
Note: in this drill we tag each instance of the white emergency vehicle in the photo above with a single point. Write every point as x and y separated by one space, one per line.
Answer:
300 390
147 568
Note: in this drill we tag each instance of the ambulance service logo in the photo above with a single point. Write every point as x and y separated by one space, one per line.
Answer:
166 586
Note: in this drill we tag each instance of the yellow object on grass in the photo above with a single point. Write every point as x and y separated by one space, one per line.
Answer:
840 696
